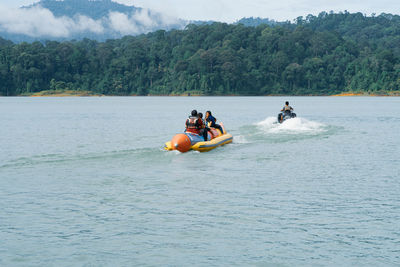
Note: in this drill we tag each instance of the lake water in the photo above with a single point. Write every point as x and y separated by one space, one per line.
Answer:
85 182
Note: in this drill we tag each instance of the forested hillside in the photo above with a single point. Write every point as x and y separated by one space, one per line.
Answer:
318 55
93 9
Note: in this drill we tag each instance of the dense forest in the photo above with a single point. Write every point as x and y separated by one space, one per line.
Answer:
317 55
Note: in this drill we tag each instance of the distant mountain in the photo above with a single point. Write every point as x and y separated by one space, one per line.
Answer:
95 9
78 19
100 20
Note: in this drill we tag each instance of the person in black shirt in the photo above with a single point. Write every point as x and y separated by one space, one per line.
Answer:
211 121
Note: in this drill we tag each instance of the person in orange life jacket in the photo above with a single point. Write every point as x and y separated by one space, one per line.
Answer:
194 124
211 121
204 129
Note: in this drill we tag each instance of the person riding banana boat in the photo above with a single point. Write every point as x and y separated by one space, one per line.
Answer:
194 124
211 121
198 136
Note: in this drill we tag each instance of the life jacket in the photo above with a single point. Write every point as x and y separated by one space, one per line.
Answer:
193 124
287 108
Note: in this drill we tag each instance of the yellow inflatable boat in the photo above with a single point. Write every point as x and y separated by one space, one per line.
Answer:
187 141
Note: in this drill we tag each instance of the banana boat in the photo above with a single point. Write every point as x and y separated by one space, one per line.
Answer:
190 141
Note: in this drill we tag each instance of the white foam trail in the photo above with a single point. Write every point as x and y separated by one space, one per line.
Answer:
291 126
240 139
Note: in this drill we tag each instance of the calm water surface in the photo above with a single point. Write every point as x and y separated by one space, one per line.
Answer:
85 182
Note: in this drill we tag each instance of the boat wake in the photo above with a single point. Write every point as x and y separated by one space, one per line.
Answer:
292 126
270 131
240 139
139 155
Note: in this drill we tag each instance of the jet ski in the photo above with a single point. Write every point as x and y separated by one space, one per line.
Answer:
285 115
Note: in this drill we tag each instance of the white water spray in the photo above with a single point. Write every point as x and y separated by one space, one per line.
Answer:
291 126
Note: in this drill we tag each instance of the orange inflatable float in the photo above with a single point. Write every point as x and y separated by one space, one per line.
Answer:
186 141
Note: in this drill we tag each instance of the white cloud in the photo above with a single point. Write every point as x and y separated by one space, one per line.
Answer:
87 24
40 22
37 22
121 23
139 22
144 18
18 3
232 10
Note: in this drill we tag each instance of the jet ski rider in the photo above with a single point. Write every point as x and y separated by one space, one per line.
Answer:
287 109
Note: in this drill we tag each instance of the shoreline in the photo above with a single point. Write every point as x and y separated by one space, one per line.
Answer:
71 93
62 93
77 95
393 94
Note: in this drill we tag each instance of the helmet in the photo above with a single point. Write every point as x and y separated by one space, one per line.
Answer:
194 113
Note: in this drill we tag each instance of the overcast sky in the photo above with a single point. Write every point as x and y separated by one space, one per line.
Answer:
232 10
